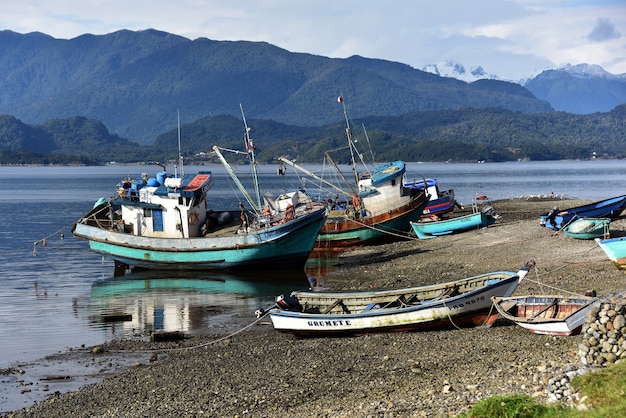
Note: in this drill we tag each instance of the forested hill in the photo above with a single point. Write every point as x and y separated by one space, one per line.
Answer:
135 81
466 134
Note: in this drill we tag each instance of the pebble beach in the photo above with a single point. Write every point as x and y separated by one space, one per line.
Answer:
258 372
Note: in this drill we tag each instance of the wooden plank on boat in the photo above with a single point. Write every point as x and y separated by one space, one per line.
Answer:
334 305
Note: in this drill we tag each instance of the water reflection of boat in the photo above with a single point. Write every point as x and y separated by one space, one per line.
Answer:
171 301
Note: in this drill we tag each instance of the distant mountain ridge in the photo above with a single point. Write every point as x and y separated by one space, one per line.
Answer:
580 89
135 81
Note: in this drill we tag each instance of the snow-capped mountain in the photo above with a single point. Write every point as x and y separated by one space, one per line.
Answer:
581 88
589 71
449 68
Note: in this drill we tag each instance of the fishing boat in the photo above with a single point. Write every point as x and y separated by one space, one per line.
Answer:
166 222
375 205
440 202
615 250
432 229
548 315
461 303
588 228
609 208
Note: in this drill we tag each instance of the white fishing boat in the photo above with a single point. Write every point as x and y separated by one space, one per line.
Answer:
166 222
374 205
461 303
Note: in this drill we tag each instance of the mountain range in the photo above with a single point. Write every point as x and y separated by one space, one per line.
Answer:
105 94
580 89
135 81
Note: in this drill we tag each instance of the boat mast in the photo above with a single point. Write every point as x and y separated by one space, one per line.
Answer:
350 140
235 178
180 155
250 148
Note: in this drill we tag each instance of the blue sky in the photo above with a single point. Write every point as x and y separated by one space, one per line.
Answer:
513 39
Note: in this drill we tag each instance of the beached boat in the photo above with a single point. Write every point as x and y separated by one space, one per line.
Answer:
588 228
376 205
166 222
462 303
609 208
615 249
549 315
440 202
432 229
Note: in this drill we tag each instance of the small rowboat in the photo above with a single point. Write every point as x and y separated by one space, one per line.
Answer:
588 228
462 303
432 229
548 315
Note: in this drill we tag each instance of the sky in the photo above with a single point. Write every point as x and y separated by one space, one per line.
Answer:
512 39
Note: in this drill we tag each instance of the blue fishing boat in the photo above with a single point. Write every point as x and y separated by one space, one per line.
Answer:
166 222
609 208
440 201
432 229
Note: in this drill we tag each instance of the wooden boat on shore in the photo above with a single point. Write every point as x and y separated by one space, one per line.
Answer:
440 201
433 229
166 223
615 249
548 315
462 303
609 208
588 228
373 206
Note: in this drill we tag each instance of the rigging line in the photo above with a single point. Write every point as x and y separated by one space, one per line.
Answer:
35 243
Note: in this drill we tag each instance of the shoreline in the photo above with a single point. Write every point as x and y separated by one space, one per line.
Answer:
260 372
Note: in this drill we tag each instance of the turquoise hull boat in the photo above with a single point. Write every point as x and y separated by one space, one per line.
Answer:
478 220
615 249
286 246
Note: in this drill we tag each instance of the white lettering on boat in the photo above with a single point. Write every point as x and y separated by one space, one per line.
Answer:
467 302
330 323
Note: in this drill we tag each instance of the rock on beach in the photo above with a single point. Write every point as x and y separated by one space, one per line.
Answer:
262 373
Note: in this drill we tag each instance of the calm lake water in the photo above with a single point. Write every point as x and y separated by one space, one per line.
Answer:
54 296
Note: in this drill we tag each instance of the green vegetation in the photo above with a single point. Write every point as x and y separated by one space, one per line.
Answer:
446 135
602 393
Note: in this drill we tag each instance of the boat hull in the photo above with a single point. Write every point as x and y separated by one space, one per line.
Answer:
615 250
610 208
472 308
425 230
284 247
546 315
345 232
588 228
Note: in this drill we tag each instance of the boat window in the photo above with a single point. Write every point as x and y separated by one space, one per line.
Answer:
393 182
147 213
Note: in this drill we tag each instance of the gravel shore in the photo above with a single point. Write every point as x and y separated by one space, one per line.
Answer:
262 373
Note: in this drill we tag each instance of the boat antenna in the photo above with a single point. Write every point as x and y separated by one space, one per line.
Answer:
350 139
180 155
250 149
